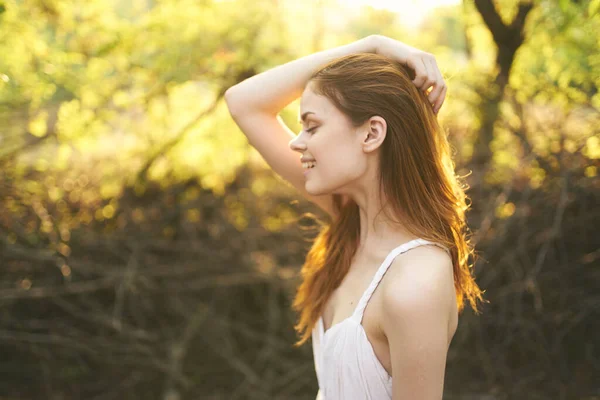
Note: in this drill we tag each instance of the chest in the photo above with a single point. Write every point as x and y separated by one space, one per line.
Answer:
343 302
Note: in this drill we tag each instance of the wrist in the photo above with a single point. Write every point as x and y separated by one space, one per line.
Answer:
391 48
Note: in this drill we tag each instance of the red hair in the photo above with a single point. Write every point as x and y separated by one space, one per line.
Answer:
416 177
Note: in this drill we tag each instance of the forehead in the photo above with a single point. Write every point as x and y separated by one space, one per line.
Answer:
313 102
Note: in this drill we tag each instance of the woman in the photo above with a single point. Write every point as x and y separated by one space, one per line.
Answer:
374 158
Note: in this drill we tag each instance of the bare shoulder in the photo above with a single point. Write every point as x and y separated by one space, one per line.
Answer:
419 279
415 319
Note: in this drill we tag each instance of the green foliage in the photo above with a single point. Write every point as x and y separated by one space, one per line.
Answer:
113 132
559 64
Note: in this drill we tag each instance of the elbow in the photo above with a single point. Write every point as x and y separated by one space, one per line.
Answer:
229 96
229 93
231 101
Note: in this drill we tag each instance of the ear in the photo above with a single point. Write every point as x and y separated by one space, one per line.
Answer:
374 133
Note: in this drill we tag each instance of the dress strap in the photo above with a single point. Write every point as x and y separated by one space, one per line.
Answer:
404 247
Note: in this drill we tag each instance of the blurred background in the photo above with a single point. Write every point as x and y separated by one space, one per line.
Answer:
148 252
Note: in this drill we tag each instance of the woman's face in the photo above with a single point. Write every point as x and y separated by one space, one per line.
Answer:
329 138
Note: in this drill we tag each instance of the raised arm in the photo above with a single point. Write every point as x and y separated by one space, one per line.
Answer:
256 102
272 90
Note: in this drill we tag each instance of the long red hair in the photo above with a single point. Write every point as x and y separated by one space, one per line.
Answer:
416 177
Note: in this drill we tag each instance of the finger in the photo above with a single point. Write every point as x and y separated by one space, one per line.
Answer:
416 63
439 82
430 79
440 100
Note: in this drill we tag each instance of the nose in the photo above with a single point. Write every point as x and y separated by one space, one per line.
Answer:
297 143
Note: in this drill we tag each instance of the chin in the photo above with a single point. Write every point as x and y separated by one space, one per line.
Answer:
315 190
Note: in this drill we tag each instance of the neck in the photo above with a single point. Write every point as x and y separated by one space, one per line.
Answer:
377 233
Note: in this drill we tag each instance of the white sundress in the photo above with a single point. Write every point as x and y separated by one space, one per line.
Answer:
345 363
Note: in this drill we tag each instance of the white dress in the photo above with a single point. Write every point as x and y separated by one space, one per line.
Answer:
345 363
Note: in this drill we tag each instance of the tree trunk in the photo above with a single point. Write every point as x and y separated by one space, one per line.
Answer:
508 39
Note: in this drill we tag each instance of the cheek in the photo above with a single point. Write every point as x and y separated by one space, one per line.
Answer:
341 160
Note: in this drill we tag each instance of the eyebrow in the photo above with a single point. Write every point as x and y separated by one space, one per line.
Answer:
303 117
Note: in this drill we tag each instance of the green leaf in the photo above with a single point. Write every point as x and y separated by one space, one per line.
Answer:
563 5
593 7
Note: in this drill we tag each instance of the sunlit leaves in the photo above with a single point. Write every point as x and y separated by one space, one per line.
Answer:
279 218
505 210
591 171
75 121
115 83
38 125
556 63
593 7
237 213
592 148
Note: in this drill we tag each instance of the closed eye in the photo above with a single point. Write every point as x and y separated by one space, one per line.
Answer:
311 130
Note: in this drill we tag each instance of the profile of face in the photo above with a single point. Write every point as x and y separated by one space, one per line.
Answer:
344 155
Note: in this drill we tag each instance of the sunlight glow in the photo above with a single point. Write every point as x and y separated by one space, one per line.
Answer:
410 12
